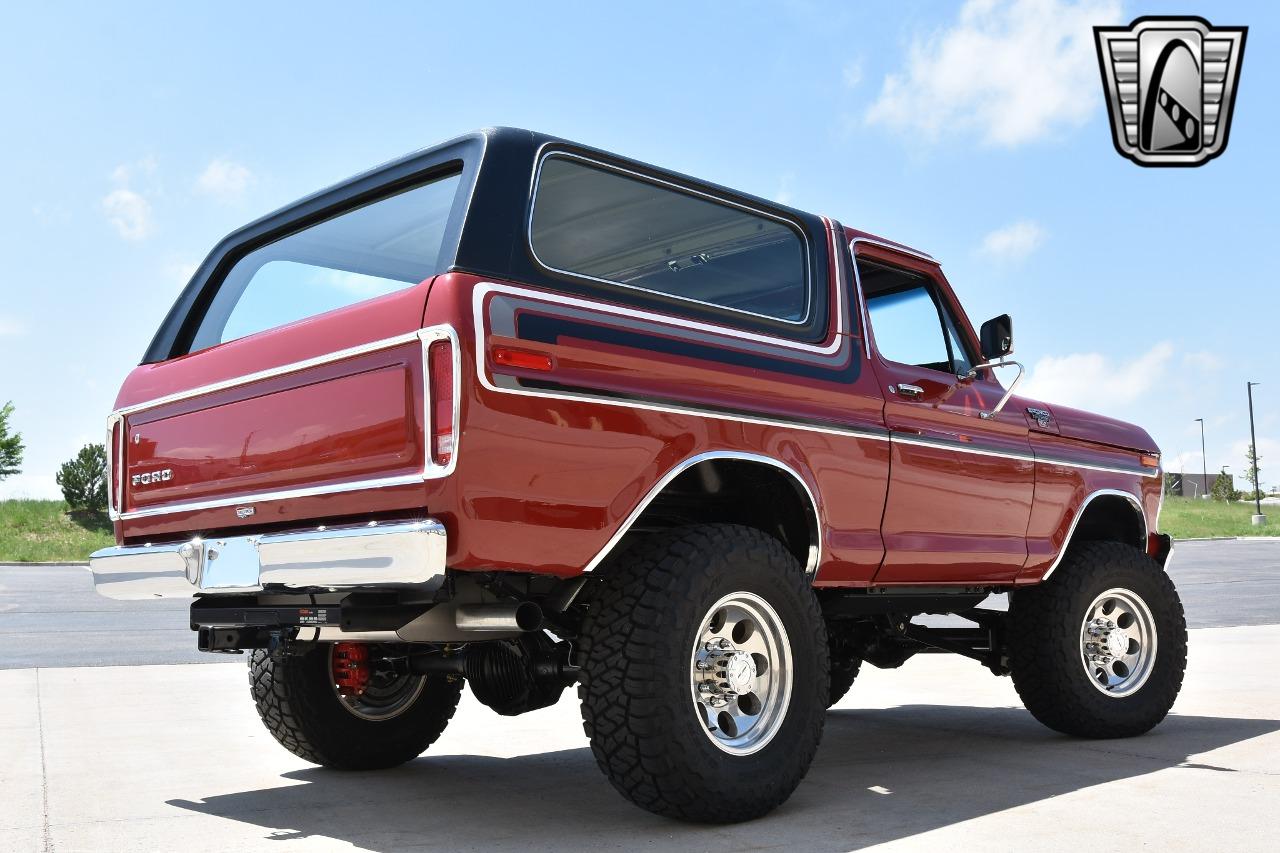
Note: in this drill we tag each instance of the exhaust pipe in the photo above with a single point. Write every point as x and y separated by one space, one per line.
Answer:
525 616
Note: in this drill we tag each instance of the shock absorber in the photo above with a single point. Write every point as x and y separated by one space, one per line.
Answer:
351 670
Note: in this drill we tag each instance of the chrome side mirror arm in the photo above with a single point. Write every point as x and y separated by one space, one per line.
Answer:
988 365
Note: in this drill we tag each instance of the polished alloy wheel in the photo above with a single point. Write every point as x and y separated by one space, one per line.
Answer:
1118 642
740 673
385 696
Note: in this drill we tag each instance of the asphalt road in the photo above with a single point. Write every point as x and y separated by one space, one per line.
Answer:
50 616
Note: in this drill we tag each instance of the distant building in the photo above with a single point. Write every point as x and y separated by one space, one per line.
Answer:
1192 485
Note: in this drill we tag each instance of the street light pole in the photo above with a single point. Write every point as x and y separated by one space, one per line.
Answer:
1204 461
1258 518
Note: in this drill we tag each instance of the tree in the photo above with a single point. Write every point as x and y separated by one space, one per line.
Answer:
10 445
1254 476
1223 488
84 479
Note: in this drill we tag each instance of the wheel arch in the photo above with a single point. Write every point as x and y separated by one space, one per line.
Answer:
1106 515
718 486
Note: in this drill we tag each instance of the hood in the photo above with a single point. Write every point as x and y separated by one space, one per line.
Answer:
1087 426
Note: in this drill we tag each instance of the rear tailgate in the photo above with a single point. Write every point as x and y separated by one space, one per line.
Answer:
341 414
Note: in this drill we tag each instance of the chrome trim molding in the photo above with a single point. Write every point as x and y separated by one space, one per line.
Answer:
482 290
544 155
937 444
815 546
1071 531
430 471
382 555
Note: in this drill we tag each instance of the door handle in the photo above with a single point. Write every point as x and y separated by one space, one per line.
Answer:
910 390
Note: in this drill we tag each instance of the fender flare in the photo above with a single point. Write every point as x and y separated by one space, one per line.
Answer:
815 524
1084 505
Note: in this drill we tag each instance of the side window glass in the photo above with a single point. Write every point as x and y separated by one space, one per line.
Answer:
593 222
907 329
910 321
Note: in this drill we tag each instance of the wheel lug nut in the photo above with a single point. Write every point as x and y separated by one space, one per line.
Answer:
725 644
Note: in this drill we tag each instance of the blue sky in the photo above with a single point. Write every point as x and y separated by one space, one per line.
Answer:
141 134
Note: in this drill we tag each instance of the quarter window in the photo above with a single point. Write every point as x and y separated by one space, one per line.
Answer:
382 247
600 224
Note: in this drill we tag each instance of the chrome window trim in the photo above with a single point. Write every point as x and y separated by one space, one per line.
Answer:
430 471
544 155
815 547
857 279
1071 531
837 339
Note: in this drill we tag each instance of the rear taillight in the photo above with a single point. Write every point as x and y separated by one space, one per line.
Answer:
443 426
114 499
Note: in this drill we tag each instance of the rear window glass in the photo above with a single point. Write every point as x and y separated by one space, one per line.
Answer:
388 245
598 223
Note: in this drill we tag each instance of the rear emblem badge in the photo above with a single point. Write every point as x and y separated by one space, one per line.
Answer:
149 477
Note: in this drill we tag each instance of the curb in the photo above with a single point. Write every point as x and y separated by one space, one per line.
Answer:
1230 539
82 564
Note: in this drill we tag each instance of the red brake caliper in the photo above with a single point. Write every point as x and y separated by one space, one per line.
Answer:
351 668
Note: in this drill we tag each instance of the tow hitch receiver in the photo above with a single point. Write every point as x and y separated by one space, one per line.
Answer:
351 670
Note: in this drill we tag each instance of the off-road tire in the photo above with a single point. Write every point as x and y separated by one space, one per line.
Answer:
1045 647
296 700
635 688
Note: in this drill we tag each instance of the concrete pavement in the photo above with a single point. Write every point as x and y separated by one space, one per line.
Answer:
936 755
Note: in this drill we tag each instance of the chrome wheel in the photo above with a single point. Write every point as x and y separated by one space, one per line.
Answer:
1118 642
383 694
740 673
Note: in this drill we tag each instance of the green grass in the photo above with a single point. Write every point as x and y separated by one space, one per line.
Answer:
1190 518
43 531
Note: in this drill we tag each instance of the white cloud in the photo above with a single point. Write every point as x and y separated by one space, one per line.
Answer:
1204 360
128 209
10 328
784 195
1011 71
1094 381
180 271
127 173
852 73
129 212
224 179
1013 242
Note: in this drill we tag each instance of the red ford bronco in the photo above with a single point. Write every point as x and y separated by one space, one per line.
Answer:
518 414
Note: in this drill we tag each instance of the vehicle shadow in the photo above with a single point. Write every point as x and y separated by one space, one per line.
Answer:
880 775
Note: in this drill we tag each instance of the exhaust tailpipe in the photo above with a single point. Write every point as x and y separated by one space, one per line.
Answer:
525 616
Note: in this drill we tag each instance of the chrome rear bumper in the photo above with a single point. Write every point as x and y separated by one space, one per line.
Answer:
376 555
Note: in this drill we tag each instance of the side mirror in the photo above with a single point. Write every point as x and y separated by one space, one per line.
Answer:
996 337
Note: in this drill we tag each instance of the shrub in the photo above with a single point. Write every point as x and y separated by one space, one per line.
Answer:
84 479
10 445
1224 488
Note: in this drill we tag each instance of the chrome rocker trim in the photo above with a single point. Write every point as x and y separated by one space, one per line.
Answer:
377 554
